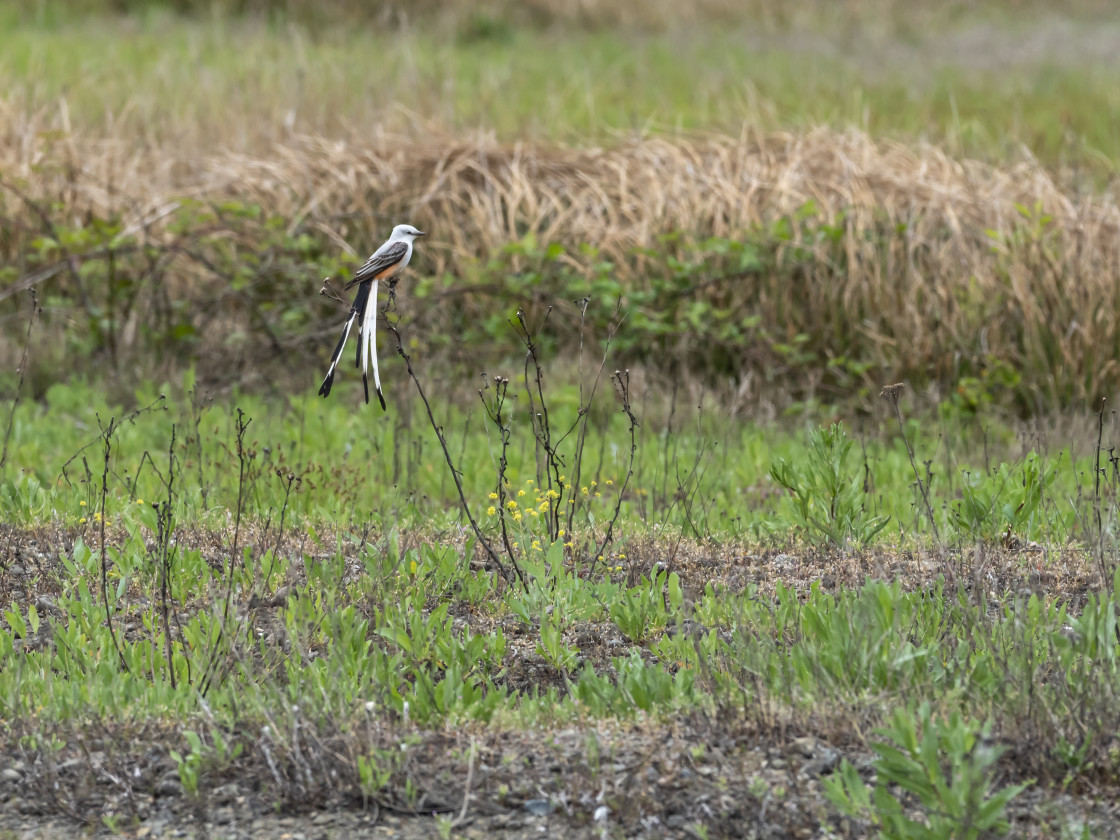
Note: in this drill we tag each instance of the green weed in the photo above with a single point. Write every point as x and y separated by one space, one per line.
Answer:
827 503
946 764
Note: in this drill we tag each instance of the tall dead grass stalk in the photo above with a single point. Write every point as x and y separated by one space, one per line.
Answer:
929 264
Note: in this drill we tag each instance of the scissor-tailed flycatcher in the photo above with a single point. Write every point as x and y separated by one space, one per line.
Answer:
387 261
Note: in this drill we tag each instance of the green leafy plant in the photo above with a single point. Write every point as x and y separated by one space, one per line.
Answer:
189 766
827 499
552 647
374 772
1006 501
216 756
639 612
946 764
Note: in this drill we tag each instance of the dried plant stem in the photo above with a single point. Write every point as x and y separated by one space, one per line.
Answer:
495 411
621 381
107 448
485 543
542 430
892 393
154 405
584 415
1097 496
164 554
289 479
35 310
467 788
585 405
244 457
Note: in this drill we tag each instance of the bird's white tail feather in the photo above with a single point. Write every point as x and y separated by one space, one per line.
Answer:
341 345
369 337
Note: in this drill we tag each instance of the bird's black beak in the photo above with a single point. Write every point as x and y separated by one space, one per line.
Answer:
421 233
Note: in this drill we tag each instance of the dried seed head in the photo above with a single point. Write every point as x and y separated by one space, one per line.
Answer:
891 393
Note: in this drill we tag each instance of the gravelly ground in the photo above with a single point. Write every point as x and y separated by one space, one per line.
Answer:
653 778
739 789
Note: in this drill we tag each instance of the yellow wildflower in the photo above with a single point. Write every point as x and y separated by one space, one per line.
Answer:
520 493
82 503
490 511
511 504
493 496
82 521
560 533
536 545
517 516
583 490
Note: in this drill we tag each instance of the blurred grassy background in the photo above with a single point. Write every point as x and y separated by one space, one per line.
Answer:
983 80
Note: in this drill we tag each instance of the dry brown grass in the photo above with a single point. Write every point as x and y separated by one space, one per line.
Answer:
933 266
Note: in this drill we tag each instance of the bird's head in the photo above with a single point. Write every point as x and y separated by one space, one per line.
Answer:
406 233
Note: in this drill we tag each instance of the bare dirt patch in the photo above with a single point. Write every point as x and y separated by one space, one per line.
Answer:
647 780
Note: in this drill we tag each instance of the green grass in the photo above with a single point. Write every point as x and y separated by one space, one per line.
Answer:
175 80
709 477
316 572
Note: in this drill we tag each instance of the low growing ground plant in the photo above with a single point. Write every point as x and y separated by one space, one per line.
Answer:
947 765
827 503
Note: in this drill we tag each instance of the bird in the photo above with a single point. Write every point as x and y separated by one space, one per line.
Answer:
385 263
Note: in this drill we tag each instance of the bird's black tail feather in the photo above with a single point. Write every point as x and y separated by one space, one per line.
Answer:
361 301
356 311
380 396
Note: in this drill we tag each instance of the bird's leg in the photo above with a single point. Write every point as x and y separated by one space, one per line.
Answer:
390 299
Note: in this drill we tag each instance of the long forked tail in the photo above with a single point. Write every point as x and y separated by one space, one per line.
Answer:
367 346
357 312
